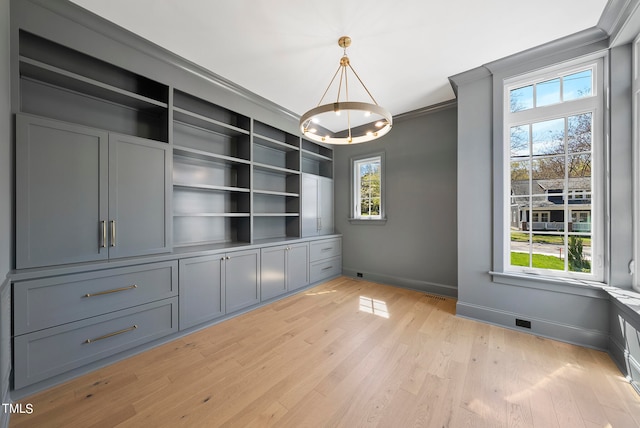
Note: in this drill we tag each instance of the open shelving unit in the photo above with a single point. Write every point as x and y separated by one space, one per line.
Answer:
316 159
60 83
211 173
276 183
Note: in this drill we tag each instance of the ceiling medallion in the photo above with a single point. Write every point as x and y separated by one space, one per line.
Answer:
345 122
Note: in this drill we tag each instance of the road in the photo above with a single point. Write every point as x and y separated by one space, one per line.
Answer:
548 249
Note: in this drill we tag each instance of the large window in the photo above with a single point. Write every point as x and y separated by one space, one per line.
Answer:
368 176
553 192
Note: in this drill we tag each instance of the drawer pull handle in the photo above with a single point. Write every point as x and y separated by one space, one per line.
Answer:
327 268
327 249
115 333
115 290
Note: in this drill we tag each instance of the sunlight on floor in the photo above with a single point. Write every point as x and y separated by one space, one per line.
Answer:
375 307
320 292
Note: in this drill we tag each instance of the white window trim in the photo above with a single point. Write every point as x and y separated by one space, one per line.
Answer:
594 103
354 192
634 266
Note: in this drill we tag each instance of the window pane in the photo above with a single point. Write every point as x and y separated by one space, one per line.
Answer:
580 167
548 92
577 85
548 251
369 191
551 168
520 178
548 137
579 253
521 98
579 136
520 249
520 141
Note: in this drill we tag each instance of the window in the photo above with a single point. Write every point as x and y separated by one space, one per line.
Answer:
367 188
541 216
553 172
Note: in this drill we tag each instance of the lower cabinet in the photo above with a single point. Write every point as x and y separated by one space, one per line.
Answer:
212 286
284 268
201 290
326 259
62 322
50 352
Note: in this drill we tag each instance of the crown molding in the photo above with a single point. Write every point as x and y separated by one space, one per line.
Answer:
434 108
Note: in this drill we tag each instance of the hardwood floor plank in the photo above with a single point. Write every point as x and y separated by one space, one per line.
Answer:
348 353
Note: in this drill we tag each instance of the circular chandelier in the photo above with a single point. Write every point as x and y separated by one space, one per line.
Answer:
345 122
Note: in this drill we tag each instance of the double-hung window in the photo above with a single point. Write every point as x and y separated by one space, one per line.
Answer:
553 201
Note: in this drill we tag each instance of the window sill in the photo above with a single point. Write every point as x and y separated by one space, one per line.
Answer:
626 297
551 283
372 221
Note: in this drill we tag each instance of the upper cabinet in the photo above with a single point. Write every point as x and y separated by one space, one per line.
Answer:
84 194
92 159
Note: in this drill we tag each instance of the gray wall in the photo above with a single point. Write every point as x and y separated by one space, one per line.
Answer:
560 310
416 247
6 207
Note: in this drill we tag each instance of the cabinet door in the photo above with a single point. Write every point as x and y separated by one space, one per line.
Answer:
272 272
310 192
138 196
325 205
61 192
242 279
201 291
297 266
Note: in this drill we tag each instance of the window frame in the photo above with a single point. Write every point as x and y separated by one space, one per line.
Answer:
634 267
354 215
593 103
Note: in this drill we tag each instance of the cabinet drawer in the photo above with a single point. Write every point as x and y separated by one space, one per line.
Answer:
326 248
46 353
326 269
48 302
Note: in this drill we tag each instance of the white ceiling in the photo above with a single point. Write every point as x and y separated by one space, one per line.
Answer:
404 50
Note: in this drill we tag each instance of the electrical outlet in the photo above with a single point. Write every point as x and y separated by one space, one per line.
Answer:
523 323
359 274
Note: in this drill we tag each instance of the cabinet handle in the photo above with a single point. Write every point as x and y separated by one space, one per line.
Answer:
228 257
113 233
327 249
103 229
115 333
115 290
327 268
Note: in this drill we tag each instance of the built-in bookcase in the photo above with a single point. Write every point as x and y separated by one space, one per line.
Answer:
211 173
276 183
316 159
61 83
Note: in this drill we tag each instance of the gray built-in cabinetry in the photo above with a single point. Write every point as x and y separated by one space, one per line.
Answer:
284 268
144 212
204 293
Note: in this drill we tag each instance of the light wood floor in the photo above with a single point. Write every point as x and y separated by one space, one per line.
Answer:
347 354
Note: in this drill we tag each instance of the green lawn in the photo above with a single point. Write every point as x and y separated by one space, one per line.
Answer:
539 261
